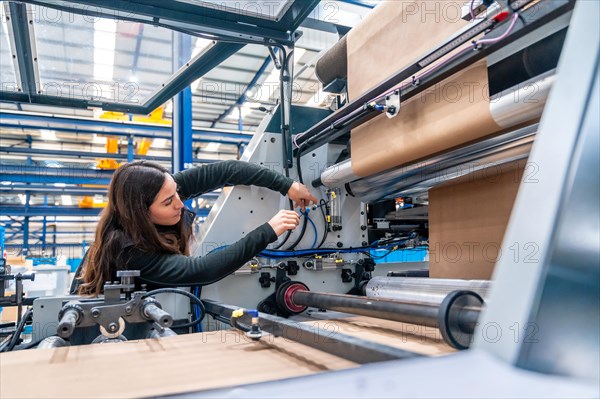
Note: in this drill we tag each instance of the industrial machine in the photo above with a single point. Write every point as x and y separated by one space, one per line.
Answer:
376 200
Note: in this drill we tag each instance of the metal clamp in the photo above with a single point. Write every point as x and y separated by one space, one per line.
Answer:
392 104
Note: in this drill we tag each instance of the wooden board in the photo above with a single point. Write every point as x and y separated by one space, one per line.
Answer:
157 367
423 340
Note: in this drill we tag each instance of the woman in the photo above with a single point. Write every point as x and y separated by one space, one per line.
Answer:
146 227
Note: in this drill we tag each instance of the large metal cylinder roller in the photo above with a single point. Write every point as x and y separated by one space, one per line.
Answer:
422 290
456 315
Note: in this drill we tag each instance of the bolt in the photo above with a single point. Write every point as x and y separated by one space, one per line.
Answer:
112 327
95 313
364 243
340 244
363 227
128 309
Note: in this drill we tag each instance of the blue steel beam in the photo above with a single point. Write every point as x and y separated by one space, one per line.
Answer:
49 190
75 191
62 171
18 178
11 210
51 245
51 222
76 154
359 3
85 155
119 127
181 129
243 97
216 139
70 102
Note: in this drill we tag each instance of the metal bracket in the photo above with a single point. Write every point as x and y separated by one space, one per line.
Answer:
392 104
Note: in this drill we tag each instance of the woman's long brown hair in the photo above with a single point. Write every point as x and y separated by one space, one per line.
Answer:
126 218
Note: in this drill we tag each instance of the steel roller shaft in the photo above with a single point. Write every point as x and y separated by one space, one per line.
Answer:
414 313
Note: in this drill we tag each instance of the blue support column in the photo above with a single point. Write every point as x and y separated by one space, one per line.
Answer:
130 148
1 242
182 111
240 119
44 227
26 228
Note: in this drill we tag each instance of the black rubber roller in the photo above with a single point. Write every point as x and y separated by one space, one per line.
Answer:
285 297
333 64
457 317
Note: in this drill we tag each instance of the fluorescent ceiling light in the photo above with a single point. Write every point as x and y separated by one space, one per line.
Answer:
66 200
99 139
6 183
104 49
201 45
60 185
212 147
298 54
246 108
22 198
48 134
159 143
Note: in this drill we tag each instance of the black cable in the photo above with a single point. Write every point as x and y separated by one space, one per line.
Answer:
298 166
18 331
376 246
283 62
197 310
300 236
322 205
185 293
287 233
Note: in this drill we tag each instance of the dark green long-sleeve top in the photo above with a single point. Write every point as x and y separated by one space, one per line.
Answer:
159 268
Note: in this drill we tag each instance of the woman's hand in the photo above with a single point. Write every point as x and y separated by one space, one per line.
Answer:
301 196
284 221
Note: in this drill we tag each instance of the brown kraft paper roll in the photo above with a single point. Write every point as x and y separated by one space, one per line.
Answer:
450 113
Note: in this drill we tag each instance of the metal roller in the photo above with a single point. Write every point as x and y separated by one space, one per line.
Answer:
334 63
422 290
456 315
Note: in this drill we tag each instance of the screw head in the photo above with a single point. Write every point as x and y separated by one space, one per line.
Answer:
95 313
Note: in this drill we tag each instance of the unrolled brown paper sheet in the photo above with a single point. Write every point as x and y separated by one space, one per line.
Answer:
467 220
158 367
451 113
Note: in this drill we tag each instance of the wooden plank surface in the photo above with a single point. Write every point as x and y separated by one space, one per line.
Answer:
156 367
423 340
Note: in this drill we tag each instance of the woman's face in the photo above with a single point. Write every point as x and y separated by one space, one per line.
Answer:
166 208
